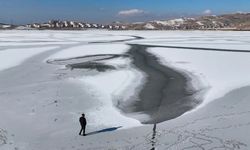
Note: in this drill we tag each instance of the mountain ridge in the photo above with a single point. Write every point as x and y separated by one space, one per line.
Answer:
236 21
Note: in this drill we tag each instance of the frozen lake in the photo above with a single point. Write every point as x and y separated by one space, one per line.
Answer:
138 89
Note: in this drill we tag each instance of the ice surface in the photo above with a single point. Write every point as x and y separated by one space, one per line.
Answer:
41 103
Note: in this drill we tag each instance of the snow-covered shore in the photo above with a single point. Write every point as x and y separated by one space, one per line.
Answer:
41 102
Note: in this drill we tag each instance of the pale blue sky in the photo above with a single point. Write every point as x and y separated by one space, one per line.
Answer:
105 11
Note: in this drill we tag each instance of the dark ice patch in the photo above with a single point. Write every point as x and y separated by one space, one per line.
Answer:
91 65
88 62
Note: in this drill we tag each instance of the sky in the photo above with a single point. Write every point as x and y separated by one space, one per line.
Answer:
106 11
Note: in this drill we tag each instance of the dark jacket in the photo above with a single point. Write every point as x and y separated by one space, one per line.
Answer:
83 121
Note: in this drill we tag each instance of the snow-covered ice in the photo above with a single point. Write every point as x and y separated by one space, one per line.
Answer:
40 102
220 71
112 86
13 57
86 50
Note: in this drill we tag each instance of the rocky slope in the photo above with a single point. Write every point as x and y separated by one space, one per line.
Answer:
239 21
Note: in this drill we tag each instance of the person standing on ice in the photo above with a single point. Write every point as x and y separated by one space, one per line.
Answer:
83 123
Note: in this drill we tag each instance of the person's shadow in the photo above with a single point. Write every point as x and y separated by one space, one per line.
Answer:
104 130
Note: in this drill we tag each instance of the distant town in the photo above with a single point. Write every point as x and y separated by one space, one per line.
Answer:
237 21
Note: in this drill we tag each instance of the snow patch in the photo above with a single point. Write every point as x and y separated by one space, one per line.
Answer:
149 26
